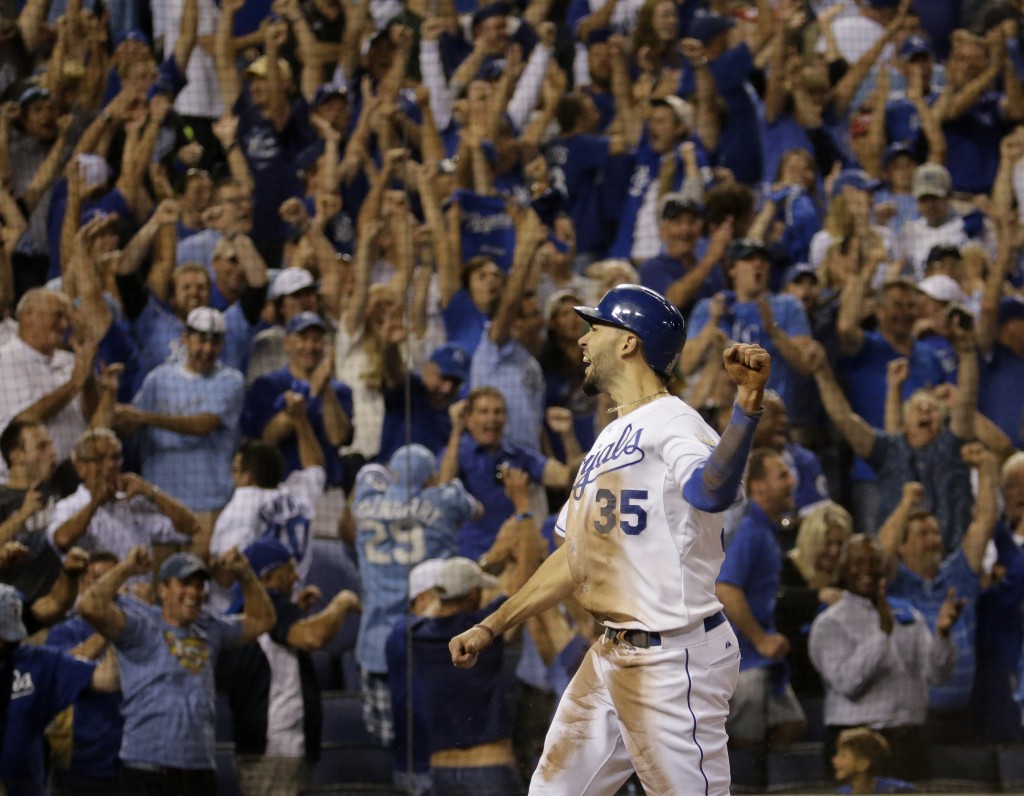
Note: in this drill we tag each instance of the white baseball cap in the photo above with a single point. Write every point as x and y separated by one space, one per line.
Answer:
941 288
423 576
459 576
206 320
289 281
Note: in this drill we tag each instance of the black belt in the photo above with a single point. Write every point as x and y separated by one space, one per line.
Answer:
646 638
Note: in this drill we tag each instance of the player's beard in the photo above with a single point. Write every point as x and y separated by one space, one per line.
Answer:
593 383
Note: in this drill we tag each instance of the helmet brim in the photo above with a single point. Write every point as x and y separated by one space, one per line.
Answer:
593 315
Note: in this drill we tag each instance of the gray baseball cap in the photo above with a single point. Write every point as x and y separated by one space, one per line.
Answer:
459 576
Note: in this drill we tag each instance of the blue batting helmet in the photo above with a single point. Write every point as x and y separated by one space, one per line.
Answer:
648 315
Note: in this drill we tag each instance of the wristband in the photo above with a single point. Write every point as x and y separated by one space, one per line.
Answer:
484 627
524 515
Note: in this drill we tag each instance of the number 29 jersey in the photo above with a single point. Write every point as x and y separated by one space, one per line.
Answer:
396 529
640 556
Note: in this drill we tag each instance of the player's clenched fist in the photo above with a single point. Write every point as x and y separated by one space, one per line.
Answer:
748 365
466 646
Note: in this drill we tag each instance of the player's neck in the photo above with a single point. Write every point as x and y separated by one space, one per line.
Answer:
634 392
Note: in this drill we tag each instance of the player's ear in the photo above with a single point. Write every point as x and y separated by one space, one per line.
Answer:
630 344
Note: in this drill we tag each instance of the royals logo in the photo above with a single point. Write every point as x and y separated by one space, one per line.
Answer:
624 452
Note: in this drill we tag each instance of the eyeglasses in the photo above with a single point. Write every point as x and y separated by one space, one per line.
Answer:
197 173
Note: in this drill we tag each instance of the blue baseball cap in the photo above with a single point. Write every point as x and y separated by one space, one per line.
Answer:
855 178
895 150
182 566
706 26
132 35
326 91
799 271
1010 308
744 249
916 44
493 10
305 320
598 35
266 555
452 360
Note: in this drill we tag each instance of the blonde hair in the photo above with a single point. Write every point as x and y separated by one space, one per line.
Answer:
811 540
384 365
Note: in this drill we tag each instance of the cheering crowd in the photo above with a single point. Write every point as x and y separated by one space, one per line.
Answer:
277 271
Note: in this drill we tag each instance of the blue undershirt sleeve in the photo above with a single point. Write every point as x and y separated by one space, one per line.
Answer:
713 485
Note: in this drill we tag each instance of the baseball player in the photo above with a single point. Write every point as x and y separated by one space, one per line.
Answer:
643 546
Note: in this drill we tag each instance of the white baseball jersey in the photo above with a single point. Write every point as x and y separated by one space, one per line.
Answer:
641 557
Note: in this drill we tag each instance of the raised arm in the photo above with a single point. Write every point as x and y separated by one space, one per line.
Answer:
844 91
890 533
895 377
851 305
316 631
986 505
224 53
855 429
714 485
449 465
530 235
961 418
258 615
955 103
188 34
98 605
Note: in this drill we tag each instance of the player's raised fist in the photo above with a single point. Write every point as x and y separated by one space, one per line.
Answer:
748 365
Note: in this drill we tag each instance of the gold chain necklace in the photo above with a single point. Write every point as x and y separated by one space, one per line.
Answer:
641 399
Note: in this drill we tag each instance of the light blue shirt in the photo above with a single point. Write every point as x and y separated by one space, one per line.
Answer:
194 469
743 325
517 374
167 683
395 531
199 248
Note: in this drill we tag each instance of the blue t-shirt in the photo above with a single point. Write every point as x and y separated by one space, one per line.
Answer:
811 485
271 155
927 597
972 144
575 166
430 427
753 563
884 785
46 681
97 720
463 322
485 228
933 361
168 687
194 469
396 528
865 387
659 272
739 144
1000 397
265 399
477 468
743 325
